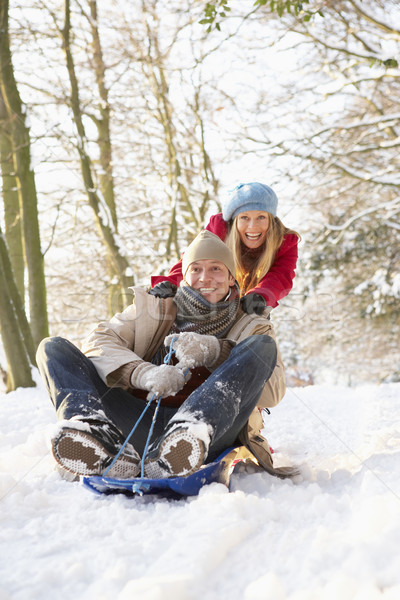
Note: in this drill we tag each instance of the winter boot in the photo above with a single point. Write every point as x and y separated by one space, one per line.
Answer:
178 454
88 446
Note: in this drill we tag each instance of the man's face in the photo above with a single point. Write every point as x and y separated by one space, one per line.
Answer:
211 278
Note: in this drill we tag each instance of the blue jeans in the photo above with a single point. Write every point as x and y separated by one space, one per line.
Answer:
224 401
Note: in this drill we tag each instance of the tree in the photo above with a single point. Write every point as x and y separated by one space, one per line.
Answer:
20 141
216 11
117 91
174 110
103 207
355 151
15 331
335 133
12 216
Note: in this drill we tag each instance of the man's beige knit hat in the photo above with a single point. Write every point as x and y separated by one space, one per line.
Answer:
205 246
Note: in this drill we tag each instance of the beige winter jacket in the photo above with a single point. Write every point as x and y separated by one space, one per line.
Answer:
137 333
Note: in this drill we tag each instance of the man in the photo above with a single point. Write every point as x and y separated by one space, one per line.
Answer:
225 368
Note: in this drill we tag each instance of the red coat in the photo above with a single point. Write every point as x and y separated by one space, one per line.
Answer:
274 286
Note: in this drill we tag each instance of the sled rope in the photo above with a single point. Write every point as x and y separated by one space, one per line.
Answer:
149 437
167 360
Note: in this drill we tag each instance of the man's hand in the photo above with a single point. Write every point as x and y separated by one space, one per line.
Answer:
165 289
253 303
163 380
194 350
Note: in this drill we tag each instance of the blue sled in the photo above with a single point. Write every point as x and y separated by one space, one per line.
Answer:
218 471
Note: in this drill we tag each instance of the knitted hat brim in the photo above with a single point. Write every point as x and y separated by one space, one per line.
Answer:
208 246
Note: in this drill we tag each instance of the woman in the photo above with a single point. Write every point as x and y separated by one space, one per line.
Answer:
265 250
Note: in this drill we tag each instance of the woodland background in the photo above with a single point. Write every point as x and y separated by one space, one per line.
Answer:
124 123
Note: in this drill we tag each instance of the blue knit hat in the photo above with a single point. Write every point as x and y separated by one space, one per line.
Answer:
250 196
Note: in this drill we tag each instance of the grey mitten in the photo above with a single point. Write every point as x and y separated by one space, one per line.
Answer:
194 349
163 380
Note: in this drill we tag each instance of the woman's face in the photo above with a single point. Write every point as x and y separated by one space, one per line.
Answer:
252 227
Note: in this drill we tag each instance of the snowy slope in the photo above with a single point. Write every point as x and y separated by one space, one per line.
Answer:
332 535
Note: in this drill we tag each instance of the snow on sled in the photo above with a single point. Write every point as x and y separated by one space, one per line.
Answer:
219 471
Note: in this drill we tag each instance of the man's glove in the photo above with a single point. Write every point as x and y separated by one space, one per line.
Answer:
163 380
194 349
165 289
253 303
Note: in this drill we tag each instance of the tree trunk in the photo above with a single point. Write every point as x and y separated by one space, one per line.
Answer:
180 197
105 154
19 367
103 124
103 216
26 184
12 216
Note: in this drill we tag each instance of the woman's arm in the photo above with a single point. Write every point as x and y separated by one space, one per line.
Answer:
278 282
174 276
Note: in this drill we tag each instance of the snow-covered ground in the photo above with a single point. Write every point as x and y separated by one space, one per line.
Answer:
333 535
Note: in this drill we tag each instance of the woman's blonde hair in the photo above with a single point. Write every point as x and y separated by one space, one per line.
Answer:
274 238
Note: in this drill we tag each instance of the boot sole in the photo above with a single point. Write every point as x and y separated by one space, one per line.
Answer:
178 455
82 455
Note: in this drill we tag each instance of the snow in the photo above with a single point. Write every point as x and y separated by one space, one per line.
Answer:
332 534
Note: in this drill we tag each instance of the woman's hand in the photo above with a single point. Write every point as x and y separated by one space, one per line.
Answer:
253 304
165 289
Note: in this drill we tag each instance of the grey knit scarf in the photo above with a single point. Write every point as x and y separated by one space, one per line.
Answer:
197 314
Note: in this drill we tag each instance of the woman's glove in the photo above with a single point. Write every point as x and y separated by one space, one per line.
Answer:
253 303
165 289
194 349
163 380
